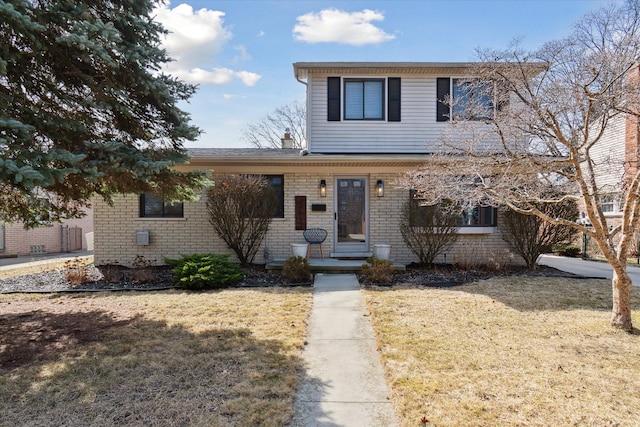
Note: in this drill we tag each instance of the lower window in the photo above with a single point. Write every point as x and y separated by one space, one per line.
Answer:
472 215
153 206
480 216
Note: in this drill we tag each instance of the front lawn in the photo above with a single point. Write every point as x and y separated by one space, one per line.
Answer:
534 351
218 358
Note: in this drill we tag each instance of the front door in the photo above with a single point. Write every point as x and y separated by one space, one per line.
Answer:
351 216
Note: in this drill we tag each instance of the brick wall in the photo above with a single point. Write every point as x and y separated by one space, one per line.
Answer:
18 241
115 226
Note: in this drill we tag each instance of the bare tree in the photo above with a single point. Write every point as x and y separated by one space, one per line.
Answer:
551 113
241 209
267 132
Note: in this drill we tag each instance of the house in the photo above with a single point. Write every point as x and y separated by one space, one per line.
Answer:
71 235
366 124
615 157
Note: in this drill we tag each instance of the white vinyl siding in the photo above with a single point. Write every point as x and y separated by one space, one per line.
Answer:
608 156
417 132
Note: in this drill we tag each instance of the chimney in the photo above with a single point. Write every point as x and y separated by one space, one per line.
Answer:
287 141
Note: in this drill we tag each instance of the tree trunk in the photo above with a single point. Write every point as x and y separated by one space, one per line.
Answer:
621 313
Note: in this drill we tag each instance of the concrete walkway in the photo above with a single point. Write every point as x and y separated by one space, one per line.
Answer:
587 268
343 383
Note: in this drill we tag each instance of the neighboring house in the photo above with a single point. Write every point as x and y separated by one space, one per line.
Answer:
366 124
69 236
615 158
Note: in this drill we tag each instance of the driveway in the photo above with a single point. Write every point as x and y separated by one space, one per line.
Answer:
586 268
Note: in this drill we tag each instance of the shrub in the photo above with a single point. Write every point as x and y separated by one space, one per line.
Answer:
429 230
567 250
143 270
499 261
296 269
111 272
77 271
529 236
204 271
377 270
240 210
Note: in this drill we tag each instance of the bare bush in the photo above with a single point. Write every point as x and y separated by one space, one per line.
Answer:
240 209
429 230
530 236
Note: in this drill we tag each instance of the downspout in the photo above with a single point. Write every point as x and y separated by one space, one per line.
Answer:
304 152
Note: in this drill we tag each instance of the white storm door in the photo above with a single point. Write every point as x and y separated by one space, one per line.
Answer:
352 214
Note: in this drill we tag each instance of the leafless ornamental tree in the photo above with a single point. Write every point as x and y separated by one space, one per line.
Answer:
267 132
547 133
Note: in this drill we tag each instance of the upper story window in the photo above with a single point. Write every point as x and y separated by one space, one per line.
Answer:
471 100
277 182
152 206
363 99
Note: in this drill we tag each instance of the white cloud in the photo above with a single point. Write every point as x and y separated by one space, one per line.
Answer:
217 76
242 54
261 33
232 96
338 26
248 78
195 38
193 35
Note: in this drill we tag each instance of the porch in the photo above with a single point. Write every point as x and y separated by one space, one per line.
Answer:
330 265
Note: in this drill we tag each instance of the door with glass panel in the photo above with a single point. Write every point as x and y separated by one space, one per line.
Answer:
351 215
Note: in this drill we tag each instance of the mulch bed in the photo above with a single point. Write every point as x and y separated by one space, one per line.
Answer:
159 278
445 275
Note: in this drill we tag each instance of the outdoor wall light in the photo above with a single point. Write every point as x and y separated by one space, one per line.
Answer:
323 188
380 188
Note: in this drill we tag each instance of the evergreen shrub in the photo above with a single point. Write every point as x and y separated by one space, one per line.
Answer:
204 271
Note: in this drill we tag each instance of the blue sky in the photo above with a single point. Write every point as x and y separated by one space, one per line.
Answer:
240 52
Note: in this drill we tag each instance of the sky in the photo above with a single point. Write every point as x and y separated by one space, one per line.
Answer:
240 52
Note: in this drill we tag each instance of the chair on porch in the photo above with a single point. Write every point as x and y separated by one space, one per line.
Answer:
315 236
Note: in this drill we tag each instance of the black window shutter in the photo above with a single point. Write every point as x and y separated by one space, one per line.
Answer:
300 203
393 96
333 99
443 92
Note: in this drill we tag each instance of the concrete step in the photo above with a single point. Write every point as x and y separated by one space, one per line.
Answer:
330 265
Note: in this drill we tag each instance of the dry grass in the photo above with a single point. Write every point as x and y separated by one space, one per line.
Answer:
223 358
510 351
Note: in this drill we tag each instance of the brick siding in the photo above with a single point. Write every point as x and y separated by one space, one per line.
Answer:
115 226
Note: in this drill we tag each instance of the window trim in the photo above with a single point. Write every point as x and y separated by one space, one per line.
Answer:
279 194
363 80
614 202
483 213
391 106
142 211
446 112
